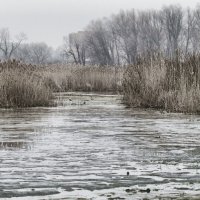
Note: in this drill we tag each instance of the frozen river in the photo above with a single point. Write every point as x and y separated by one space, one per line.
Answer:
91 147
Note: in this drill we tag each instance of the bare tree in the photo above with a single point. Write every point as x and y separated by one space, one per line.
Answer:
188 34
173 19
75 47
35 53
40 53
98 43
23 53
125 29
195 30
7 45
121 38
150 26
116 52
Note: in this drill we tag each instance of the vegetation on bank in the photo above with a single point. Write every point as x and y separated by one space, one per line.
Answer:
170 84
62 78
20 86
153 82
23 85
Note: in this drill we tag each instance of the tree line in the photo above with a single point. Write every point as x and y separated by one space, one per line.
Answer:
117 40
121 38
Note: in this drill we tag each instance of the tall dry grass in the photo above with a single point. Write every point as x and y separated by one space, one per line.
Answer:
20 86
83 78
170 84
23 85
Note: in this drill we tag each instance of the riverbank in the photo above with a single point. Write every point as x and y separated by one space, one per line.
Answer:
172 85
23 85
65 78
160 83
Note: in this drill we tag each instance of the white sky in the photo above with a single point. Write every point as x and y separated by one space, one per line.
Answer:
50 20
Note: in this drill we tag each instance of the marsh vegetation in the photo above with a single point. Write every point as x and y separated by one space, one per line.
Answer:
152 82
23 85
162 83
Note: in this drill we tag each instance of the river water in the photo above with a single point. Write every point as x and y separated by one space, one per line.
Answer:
90 146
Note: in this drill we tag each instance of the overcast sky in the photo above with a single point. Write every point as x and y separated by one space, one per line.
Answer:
50 20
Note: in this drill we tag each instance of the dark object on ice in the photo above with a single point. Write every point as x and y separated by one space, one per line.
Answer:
127 173
147 190
128 190
131 190
83 103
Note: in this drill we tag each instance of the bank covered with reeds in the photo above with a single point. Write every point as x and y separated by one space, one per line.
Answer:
23 85
163 83
63 78
152 82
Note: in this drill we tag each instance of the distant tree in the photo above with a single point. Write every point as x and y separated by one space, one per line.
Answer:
58 56
188 31
119 40
125 28
75 47
40 53
114 41
35 53
23 53
173 21
8 45
150 28
99 44
195 39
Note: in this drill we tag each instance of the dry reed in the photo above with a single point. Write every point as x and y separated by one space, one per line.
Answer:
170 84
83 78
21 87
24 85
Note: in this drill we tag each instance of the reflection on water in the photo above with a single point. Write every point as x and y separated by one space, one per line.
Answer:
91 146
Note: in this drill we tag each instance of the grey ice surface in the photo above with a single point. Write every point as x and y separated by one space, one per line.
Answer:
84 147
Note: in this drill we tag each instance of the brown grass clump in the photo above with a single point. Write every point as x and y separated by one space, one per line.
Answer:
21 87
170 84
24 85
83 78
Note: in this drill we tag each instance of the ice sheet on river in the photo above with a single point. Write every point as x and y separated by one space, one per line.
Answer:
84 147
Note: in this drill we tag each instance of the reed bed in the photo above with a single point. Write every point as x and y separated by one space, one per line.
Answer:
169 84
64 78
20 86
23 85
